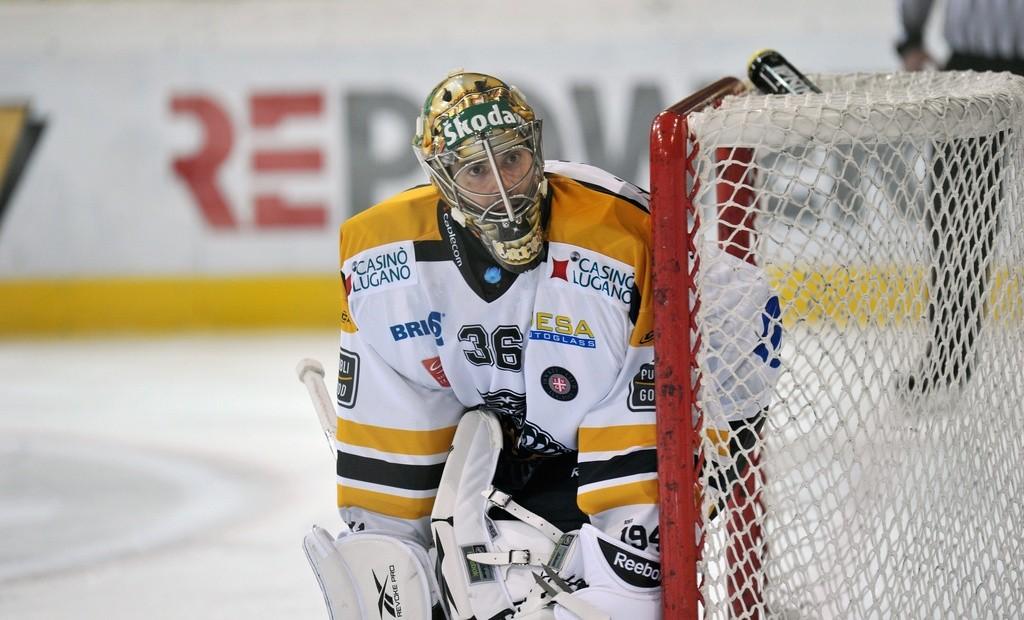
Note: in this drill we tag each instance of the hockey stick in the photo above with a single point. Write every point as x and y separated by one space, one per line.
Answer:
772 74
311 374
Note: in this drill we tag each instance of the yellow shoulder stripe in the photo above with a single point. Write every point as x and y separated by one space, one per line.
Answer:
408 216
642 492
615 438
597 221
385 503
395 440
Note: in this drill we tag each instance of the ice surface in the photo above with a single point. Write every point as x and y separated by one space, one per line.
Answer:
169 477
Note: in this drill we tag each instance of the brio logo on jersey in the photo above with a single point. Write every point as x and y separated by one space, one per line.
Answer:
563 330
477 118
594 274
380 270
430 326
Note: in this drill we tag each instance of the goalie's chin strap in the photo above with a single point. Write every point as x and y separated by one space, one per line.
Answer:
504 501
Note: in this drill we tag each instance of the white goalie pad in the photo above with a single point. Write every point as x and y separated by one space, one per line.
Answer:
371 576
485 565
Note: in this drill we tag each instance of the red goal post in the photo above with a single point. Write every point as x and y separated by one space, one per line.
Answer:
675 216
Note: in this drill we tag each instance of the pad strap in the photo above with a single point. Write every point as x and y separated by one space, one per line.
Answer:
521 557
505 502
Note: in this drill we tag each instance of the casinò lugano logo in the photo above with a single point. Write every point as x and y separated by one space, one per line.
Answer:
19 134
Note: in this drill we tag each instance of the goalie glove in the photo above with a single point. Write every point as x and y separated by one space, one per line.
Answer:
364 575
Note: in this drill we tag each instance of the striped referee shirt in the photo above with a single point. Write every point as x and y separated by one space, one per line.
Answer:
987 28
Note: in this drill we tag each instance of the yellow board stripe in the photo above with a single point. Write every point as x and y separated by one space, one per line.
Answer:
394 440
167 304
385 503
842 295
613 438
642 492
876 295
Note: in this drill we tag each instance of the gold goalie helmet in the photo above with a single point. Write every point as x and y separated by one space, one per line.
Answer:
479 141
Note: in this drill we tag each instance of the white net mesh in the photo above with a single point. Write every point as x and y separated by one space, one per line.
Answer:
888 216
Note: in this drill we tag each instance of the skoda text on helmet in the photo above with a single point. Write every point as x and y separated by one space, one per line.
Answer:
479 141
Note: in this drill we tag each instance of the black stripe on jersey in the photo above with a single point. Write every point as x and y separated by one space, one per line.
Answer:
605 190
431 251
411 477
634 303
637 462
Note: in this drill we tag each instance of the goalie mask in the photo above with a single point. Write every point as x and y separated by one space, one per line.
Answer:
479 141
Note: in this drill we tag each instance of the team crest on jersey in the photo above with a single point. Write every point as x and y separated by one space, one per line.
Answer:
559 383
380 269
593 272
562 329
510 407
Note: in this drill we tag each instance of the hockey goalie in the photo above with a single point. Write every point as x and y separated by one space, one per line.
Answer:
495 399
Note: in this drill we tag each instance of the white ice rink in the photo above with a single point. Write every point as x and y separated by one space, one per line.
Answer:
169 477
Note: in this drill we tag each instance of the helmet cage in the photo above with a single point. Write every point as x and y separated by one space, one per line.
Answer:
487 156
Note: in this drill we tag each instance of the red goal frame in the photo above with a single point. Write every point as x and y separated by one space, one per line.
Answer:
675 219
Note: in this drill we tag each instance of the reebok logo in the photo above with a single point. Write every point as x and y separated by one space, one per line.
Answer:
631 568
637 567
388 599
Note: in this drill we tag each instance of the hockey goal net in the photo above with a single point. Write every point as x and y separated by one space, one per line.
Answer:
887 480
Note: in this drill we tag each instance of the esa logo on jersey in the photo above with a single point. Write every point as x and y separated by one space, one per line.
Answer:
562 329
595 273
380 269
430 326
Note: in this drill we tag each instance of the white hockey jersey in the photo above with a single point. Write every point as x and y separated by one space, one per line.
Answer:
431 327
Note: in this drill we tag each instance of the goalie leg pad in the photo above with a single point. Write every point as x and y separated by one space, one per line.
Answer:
370 576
